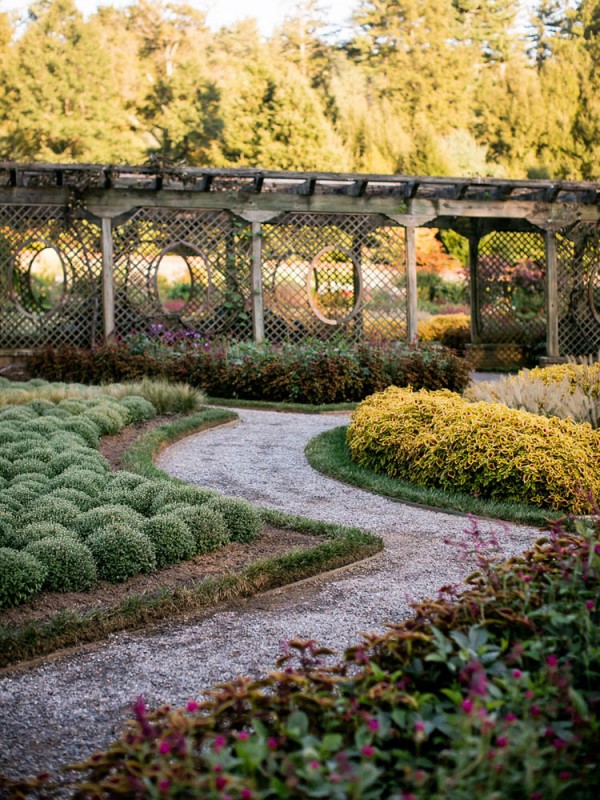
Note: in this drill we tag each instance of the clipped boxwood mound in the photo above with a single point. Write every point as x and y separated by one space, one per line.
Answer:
439 439
70 565
21 576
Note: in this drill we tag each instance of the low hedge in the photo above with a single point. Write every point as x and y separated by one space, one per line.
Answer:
491 692
310 372
489 450
451 330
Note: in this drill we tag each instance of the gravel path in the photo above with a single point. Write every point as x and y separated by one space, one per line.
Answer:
73 704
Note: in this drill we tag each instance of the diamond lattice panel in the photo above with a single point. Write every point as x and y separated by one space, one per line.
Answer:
578 254
50 278
512 274
178 270
326 274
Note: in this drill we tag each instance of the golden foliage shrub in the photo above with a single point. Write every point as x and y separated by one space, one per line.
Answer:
451 330
487 450
580 376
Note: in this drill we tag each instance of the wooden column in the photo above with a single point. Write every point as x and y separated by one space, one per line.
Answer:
552 345
258 314
474 287
108 287
411 285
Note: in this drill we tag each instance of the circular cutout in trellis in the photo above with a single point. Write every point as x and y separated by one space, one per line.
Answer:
594 291
182 280
38 278
334 286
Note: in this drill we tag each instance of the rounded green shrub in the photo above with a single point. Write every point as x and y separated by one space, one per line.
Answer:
121 552
107 418
168 492
139 408
8 436
30 477
88 431
26 465
52 509
82 500
243 521
63 441
79 458
22 447
207 525
3 483
44 425
36 531
9 502
119 488
97 518
42 452
7 521
172 539
72 406
23 493
21 576
84 480
142 497
42 407
70 565
17 413
5 467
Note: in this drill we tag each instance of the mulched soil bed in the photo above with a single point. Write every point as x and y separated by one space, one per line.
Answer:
230 559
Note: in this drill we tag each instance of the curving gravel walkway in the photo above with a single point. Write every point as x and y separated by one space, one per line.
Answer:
69 706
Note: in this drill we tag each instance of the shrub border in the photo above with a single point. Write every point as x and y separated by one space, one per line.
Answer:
328 453
344 546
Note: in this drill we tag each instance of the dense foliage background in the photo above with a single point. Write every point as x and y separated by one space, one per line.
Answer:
456 87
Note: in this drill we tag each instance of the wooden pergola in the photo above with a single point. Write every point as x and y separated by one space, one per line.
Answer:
107 196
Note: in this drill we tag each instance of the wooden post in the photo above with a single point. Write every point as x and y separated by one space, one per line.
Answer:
474 287
552 345
411 285
258 316
108 288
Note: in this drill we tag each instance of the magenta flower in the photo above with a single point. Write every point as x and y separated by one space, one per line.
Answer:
164 747
368 751
242 736
516 673
552 661
220 783
501 741
219 742
163 785
564 775
558 743
246 794
511 716
272 743
373 725
314 764
467 705
419 726
192 705
535 711
589 604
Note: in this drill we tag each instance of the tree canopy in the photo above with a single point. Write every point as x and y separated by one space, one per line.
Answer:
447 87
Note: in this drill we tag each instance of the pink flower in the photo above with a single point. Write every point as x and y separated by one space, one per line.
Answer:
220 783
246 794
511 717
501 741
467 705
368 751
535 711
164 747
314 764
419 726
558 744
242 736
535 796
564 775
335 778
272 743
192 705
589 604
516 673
163 785
552 661
218 768
373 725
219 742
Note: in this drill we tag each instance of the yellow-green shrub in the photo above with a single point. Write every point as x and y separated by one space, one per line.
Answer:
451 330
485 449
583 376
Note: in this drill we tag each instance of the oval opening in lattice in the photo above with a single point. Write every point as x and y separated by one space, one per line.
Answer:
39 279
182 280
595 291
334 286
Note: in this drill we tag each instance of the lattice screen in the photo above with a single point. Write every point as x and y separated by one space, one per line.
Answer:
333 273
178 269
50 278
578 253
511 287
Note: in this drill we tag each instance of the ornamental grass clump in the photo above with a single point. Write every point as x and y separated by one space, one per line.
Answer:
69 563
486 449
171 537
243 521
120 552
21 576
489 690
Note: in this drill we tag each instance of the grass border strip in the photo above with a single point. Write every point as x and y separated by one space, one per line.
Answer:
343 546
328 454
284 407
